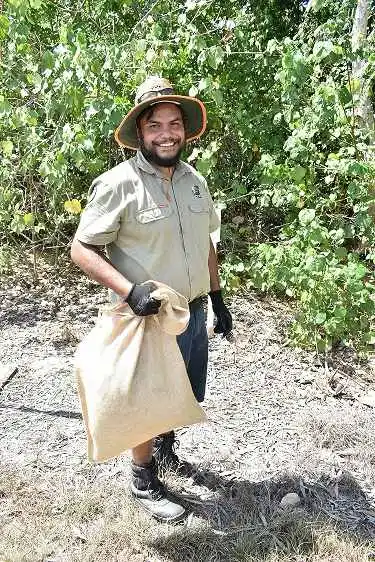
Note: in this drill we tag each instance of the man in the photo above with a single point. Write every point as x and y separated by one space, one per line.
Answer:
154 215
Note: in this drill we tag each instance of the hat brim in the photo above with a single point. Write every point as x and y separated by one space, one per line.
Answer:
193 109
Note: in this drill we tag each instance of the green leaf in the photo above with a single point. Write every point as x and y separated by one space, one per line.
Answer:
36 4
28 219
181 19
191 4
4 27
17 224
306 216
354 86
7 147
317 5
48 60
203 84
215 57
73 206
338 235
323 48
67 133
18 3
193 92
218 96
357 168
345 95
298 173
340 312
150 55
272 46
341 252
5 106
320 318
360 271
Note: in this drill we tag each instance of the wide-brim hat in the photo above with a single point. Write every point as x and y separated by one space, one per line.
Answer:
157 90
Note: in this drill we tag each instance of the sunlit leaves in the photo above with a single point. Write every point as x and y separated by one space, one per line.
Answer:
5 107
73 206
6 147
298 173
306 216
323 49
4 27
28 219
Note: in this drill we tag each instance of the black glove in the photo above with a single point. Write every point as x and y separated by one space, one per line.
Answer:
140 300
224 322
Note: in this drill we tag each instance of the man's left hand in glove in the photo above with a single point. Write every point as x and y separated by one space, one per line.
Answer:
224 322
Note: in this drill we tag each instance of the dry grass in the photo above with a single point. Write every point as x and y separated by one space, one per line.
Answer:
44 518
334 432
350 437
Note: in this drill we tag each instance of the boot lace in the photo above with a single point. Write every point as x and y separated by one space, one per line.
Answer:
166 446
156 489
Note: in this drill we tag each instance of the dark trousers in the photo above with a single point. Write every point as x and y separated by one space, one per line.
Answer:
193 344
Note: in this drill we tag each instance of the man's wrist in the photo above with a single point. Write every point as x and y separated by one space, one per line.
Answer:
124 295
215 292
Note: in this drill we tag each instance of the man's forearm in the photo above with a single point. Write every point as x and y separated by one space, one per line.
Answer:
213 269
97 266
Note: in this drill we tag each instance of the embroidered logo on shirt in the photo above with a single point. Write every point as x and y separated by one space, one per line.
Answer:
196 192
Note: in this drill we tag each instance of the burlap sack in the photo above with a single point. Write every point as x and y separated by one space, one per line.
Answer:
132 379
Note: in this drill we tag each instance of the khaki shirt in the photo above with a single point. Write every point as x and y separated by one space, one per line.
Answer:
153 227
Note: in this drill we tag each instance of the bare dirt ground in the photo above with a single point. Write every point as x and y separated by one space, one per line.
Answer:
281 420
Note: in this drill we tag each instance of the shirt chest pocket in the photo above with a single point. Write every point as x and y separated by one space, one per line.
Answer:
152 214
199 207
199 220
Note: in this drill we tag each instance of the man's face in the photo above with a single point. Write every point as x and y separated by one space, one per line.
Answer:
162 135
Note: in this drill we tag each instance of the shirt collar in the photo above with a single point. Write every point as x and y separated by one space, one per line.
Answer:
180 169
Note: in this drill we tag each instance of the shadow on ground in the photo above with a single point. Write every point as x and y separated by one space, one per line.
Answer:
25 310
244 521
56 413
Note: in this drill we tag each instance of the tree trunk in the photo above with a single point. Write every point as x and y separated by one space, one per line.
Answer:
364 110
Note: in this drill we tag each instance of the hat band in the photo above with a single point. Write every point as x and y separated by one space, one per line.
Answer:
154 94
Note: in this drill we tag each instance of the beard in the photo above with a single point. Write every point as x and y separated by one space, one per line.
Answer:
162 161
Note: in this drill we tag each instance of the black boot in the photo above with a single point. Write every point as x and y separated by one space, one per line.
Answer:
165 456
150 493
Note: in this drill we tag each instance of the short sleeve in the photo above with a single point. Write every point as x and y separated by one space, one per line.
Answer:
100 220
214 217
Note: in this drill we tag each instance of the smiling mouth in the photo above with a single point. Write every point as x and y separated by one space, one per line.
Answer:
166 144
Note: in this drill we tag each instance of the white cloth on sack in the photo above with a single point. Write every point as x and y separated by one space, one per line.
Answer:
132 379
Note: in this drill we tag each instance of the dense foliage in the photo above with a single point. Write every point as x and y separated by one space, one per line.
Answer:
286 153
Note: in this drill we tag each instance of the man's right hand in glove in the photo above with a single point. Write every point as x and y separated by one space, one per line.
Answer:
140 300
